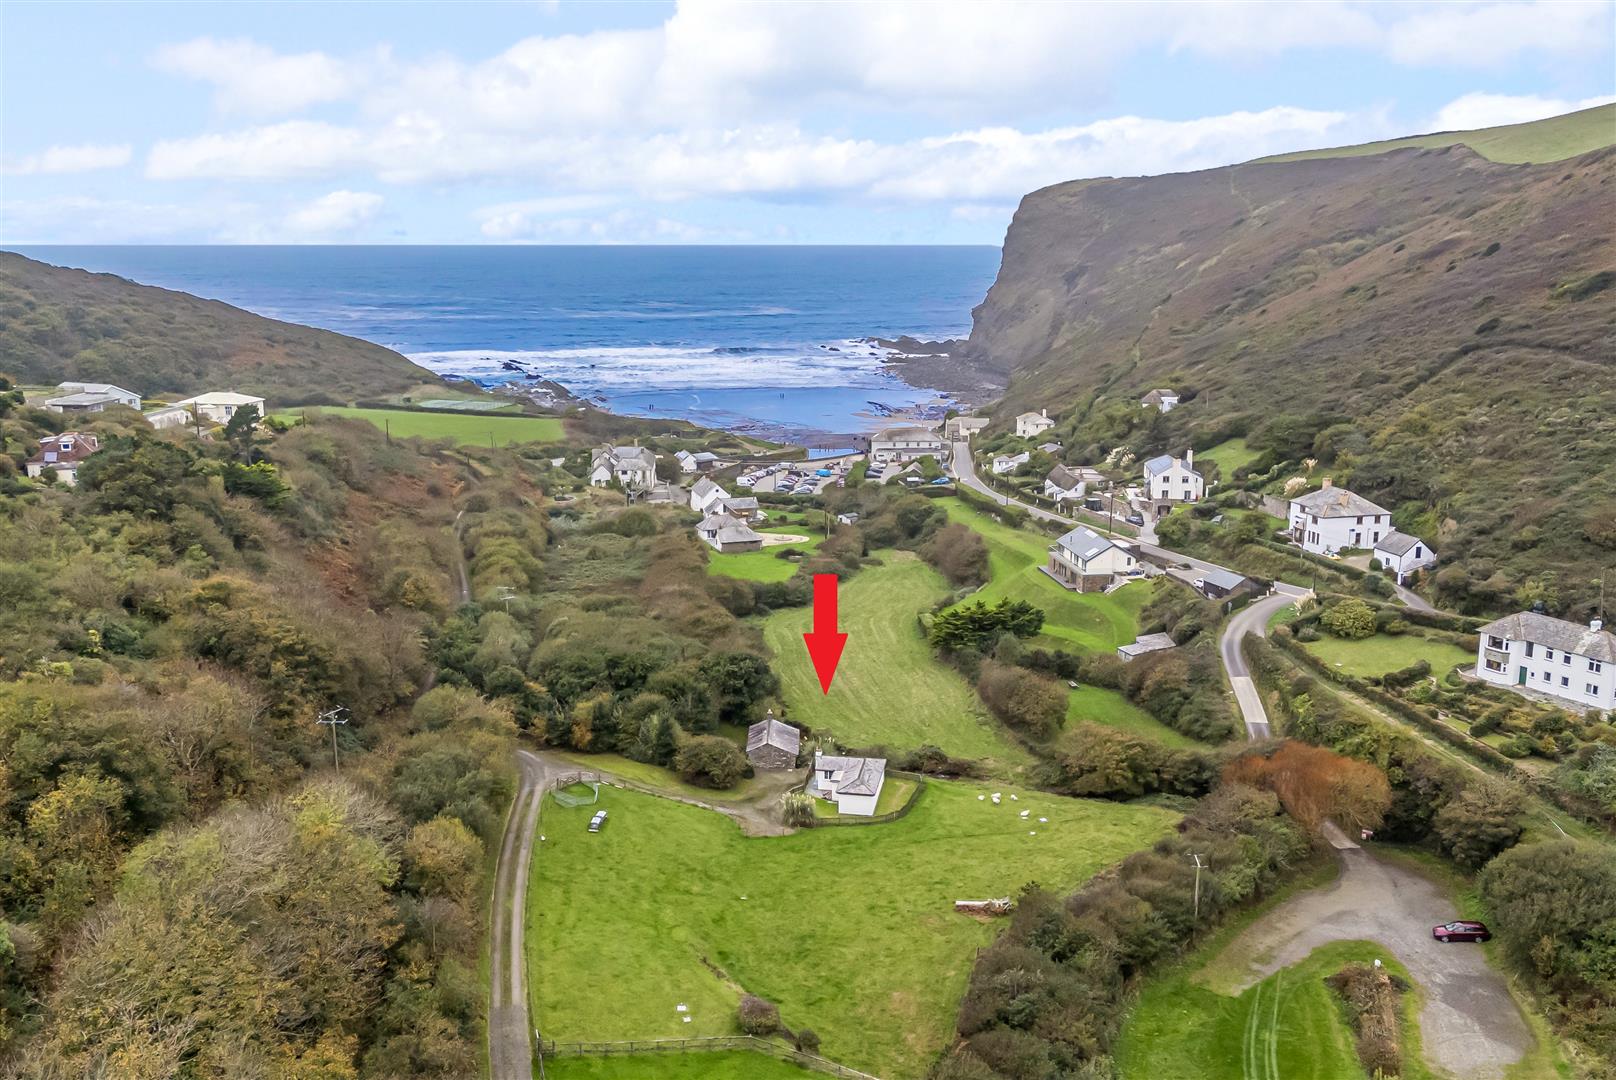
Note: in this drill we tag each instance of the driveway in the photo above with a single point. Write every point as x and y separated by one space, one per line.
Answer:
1470 1025
510 1051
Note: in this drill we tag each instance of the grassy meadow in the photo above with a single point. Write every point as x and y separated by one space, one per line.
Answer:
1228 455
1099 705
888 688
1554 139
1077 622
463 428
763 565
1375 656
850 931
733 1065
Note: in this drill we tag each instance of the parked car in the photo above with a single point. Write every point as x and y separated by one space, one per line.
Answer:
597 822
1136 519
1463 930
942 480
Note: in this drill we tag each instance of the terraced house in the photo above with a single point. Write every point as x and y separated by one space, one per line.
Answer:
1539 654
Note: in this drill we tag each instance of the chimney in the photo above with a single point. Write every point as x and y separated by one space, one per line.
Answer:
1044 413
1189 457
1597 625
1327 483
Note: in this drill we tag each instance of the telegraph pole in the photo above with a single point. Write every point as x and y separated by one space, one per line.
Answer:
1199 866
331 718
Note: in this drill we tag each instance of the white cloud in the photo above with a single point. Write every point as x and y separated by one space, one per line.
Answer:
252 78
335 213
1481 110
275 151
622 226
86 157
76 219
1487 34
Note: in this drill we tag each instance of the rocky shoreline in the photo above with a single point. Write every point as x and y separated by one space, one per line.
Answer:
942 366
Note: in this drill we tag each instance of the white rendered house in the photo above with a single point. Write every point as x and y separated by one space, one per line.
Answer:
852 783
1162 399
91 397
907 444
633 467
1029 424
1171 479
1573 663
220 406
1332 518
1401 555
1005 463
706 495
1085 561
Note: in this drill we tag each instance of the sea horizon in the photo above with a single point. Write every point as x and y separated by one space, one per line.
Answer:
743 337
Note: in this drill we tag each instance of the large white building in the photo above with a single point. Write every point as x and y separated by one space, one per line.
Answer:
1029 424
633 467
90 397
1568 661
219 406
1171 479
706 494
1085 561
1332 518
907 444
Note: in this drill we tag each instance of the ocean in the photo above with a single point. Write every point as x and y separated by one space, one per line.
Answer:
758 338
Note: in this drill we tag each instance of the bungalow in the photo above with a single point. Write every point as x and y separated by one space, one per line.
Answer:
218 407
1332 518
91 397
1029 424
772 744
849 518
1165 400
744 507
633 467
1217 584
907 444
1005 463
852 783
728 535
1085 561
62 454
1051 448
1402 555
705 494
697 462
1570 662
169 416
1171 479
1070 484
1148 644
963 427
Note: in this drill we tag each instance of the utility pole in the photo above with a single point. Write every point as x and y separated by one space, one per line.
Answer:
331 718
507 594
1198 868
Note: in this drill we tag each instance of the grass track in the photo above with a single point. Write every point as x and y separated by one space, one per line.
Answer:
463 428
1077 622
889 688
851 931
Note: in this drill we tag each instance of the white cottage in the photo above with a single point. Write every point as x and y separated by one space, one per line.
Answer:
1573 663
1171 479
1030 424
852 783
62 455
728 535
218 407
633 467
1006 463
706 494
1085 561
1332 518
963 427
1402 555
90 397
1162 399
1070 484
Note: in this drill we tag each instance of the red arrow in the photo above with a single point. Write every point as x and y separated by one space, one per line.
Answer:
825 644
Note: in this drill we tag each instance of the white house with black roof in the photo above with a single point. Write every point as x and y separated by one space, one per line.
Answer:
1570 662
1331 518
1084 561
1402 555
706 495
1171 479
633 467
852 783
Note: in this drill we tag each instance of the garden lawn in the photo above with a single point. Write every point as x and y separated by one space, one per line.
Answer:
1375 656
731 1065
463 428
894 793
851 931
1077 622
889 689
1290 1026
763 565
1099 705
1229 455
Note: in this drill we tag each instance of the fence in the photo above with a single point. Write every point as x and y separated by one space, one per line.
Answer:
551 1048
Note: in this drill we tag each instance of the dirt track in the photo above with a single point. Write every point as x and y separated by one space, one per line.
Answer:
1469 1024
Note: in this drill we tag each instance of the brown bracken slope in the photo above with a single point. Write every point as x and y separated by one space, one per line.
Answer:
1450 319
58 324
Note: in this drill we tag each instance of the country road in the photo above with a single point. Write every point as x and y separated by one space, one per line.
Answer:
510 1047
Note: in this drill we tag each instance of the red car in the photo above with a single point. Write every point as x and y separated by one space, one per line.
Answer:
1462 931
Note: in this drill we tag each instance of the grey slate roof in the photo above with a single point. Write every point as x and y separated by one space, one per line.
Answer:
737 534
1334 502
744 502
1084 543
1148 644
1064 478
1555 633
1158 464
907 434
1398 543
703 486
714 521
85 398
865 773
772 732
1226 580
1033 416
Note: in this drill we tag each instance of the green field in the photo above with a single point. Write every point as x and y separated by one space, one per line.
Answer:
1229 455
850 931
1290 1026
1077 622
1098 705
463 428
1553 139
889 688
1375 656
734 1065
763 565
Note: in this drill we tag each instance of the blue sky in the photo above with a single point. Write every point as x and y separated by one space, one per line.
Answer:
711 122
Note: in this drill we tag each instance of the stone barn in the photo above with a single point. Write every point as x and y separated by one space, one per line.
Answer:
772 744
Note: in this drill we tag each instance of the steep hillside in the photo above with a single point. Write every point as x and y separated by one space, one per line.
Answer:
1434 328
1554 139
58 324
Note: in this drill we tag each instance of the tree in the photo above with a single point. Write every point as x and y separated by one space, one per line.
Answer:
1316 784
710 761
740 680
807 1040
1023 699
442 856
970 626
1555 906
959 553
239 430
1480 821
1352 619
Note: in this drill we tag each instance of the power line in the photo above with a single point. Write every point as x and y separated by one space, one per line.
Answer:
331 718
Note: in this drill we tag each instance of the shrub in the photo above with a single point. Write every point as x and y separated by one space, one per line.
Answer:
757 1016
1023 699
1351 619
807 1041
959 553
797 808
710 761
1480 822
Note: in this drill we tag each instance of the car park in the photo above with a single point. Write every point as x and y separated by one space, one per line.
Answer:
1462 930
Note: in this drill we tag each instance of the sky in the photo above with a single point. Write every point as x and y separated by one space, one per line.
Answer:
712 122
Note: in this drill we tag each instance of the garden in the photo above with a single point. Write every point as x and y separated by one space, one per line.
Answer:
478 429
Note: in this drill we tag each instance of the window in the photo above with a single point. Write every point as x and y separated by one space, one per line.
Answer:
1565 658
1548 654
1592 690
1565 680
1496 642
1495 665
1547 677
1529 646
1595 666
